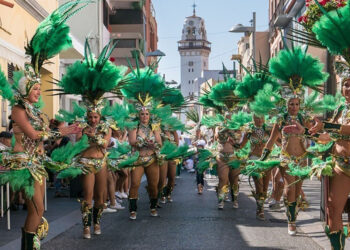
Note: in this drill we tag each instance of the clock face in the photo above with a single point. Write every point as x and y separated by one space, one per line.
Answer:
190 23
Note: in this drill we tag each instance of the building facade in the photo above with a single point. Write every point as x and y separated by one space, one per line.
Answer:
245 51
133 25
17 25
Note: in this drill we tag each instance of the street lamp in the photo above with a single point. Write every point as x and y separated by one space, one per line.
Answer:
155 53
239 28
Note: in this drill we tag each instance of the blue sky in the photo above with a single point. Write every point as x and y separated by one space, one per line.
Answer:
219 16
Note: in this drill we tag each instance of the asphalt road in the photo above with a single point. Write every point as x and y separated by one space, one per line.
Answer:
192 221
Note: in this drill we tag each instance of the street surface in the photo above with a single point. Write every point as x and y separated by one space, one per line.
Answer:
190 222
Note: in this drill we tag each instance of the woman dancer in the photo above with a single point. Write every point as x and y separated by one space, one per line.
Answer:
257 134
91 79
307 73
26 160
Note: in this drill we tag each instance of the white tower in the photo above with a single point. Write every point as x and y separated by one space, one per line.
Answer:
194 50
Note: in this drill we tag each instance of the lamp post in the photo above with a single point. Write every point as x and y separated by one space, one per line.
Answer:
157 53
239 28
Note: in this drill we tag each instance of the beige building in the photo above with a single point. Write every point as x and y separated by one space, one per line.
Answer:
245 51
17 25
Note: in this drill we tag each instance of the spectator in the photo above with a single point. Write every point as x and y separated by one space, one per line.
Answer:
199 176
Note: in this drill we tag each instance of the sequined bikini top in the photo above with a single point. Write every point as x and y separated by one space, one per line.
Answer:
225 133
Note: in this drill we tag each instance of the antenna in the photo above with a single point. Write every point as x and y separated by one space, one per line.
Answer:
194 8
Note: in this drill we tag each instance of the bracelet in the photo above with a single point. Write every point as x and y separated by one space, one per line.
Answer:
331 126
45 135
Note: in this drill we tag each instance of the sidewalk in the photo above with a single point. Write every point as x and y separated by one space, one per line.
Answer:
62 213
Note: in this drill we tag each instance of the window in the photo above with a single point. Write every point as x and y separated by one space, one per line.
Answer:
125 43
193 31
190 63
189 81
127 16
192 69
247 46
189 70
191 44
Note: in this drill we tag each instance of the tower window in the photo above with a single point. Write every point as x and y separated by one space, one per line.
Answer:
189 70
190 63
189 81
192 69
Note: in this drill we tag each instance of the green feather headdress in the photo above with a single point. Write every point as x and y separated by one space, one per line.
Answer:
222 94
51 37
252 83
144 86
92 78
297 69
333 29
173 97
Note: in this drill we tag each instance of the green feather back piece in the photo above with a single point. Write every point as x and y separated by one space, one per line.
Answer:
173 97
168 148
295 62
193 115
235 164
316 105
173 124
143 83
252 83
129 161
244 152
121 114
301 172
5 87
93 77
255 167
78 114
209 103
66 153
121 149
20 180
52 34
320 148
180 152
265 101
322 168
239 119
71 172
332 30
222 94
212 121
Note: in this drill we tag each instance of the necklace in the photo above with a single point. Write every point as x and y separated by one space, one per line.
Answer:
145 129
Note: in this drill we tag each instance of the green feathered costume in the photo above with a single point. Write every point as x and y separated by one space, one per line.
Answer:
51 37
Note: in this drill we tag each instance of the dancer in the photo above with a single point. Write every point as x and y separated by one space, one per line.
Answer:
91 79
257 133
26 159
223 100
330 29
297 70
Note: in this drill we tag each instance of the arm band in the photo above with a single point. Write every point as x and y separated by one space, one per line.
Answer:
331 126
265 154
